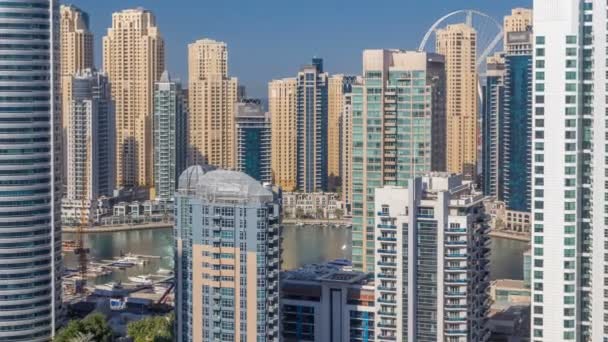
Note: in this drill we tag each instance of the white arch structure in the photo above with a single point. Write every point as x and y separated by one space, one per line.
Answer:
469 20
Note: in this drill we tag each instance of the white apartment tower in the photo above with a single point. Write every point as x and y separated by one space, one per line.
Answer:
90 145
431 274
570 172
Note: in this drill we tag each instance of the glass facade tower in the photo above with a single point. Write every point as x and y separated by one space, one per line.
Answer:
398 129
30 171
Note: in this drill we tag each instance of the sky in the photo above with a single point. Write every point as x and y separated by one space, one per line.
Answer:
270 39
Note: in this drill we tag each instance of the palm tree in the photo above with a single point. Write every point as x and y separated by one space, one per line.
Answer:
80 337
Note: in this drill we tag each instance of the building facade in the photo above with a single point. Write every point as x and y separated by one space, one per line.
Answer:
346 145
134 59
337 87
518 120
170 134
507 117
318 205
76 53
458 44
493 130
30 171
569 218
212 97
253 139
311 126
432 277
227 236
398 126
321 303
90 146
282 107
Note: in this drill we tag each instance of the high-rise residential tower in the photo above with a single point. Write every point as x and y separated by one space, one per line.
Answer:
134 58
282 107
346 145
170 135
398 126
518 115
458 44
338 87
227 258
253 140
520 20
311 126
570 173
507 118
492 131
212 97
76 54
432 277
90 146
30 171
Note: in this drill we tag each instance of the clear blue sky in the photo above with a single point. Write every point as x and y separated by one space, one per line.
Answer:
270 39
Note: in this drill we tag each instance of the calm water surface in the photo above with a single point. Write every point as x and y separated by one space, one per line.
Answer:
301 245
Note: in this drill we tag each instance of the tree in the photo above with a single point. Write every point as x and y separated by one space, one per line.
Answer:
339 213
152 329
94 326
299 213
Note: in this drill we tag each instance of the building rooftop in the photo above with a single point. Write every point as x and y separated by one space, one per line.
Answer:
333 271
222 185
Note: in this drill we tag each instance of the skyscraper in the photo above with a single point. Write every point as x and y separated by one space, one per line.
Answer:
227 258
76 54
507 115
458 44
520 20
170 135
253 140
30 171
518 113
212 97
493 121
90 145
346 144
398 126
338 87
432 261
570 176
282 107
311 126
134 58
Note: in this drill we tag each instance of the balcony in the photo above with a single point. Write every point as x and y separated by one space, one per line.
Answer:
387 226
456 242
387 263
386 276
386 238
387 251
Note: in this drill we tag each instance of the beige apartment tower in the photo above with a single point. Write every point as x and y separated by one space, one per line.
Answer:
520 20
134 59
282 96
76 51
212 99
458 44
335 104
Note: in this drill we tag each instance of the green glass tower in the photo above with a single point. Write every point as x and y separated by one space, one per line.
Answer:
398 132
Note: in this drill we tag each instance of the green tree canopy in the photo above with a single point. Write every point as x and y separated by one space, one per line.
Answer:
94 326
152 329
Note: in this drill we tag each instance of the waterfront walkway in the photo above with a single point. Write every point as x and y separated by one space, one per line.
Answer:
120 227
317 222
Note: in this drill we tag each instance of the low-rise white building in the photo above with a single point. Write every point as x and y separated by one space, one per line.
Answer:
319 205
